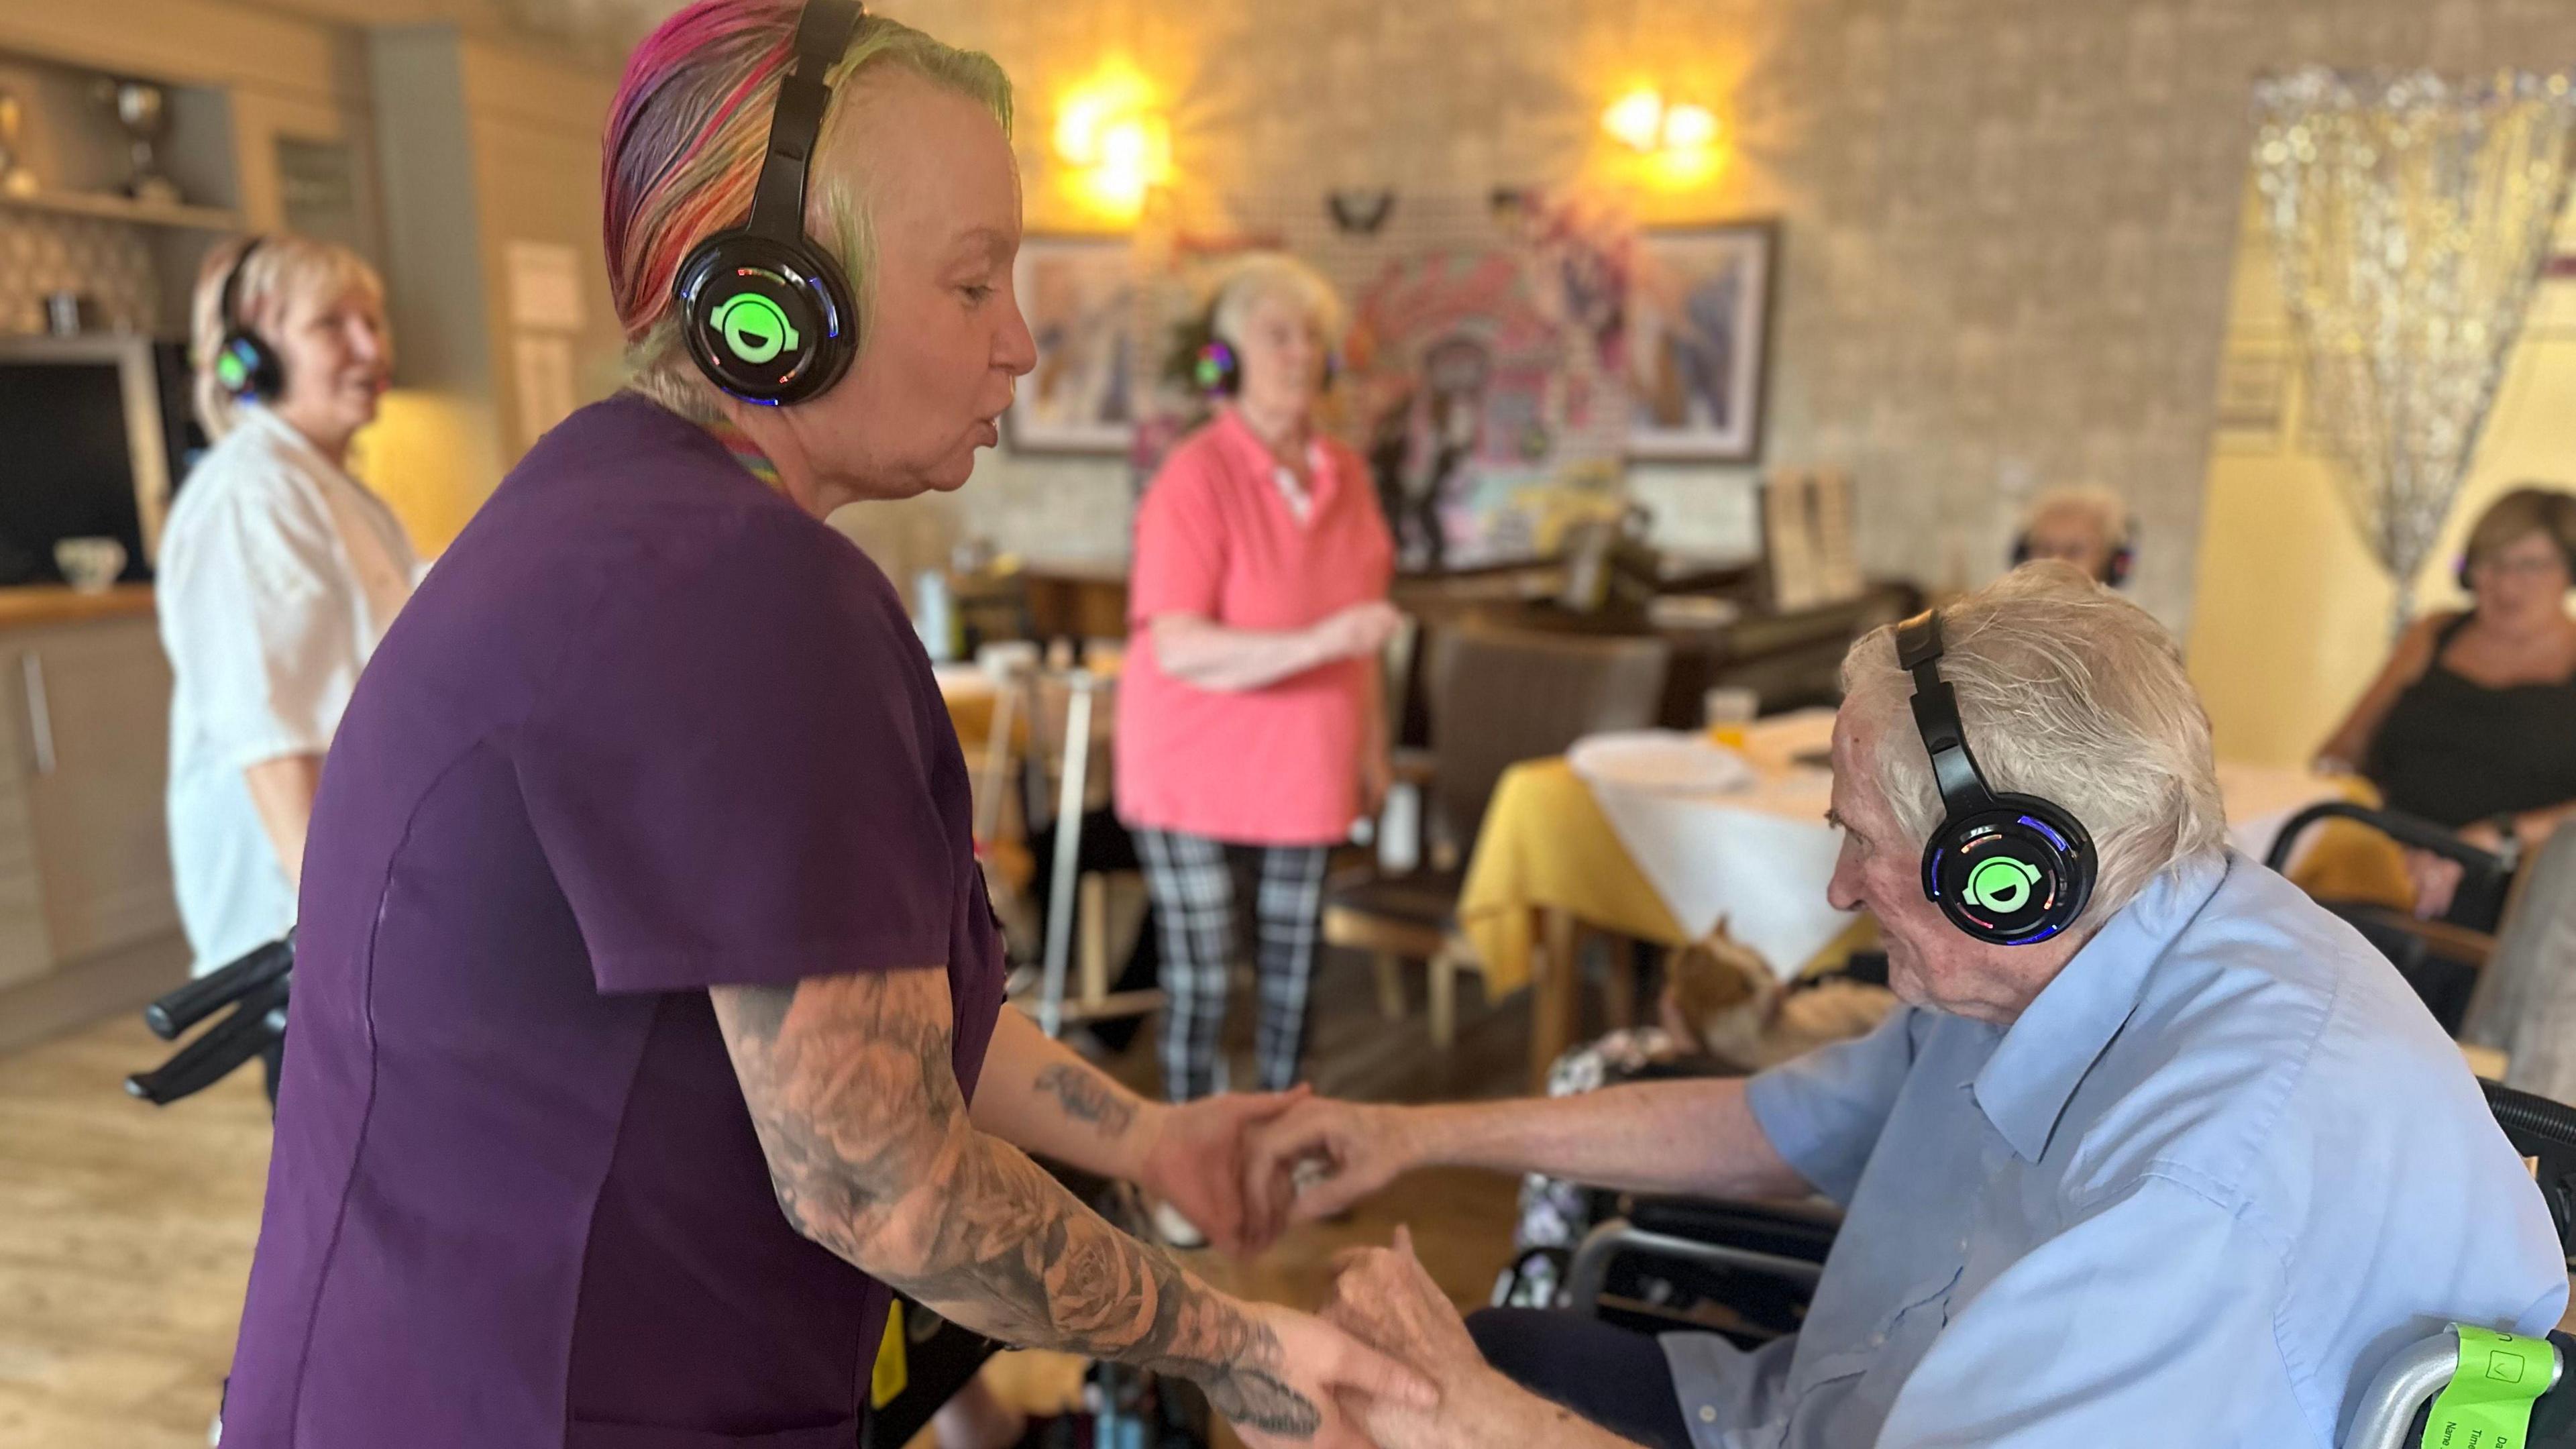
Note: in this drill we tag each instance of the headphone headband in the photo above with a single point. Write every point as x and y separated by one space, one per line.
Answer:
1936 714
823 35
226 319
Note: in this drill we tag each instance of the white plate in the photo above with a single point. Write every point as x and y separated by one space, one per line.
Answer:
1661 760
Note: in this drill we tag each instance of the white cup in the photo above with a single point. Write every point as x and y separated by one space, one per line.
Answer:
1729 704
90 565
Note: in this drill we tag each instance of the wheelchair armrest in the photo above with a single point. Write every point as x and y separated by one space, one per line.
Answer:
2392 1410
1801 1230
1783 1241
2404 829
1604 1244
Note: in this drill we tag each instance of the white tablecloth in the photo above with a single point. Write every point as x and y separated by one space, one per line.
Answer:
1759 858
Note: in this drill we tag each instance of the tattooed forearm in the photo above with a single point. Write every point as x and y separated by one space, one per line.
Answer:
871 1154
1086 1098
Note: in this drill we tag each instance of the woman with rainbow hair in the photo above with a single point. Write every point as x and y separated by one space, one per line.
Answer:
649 1019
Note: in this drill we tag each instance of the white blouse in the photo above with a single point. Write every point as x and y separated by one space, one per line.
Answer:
278 575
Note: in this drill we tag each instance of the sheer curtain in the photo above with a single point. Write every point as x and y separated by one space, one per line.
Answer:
2410 216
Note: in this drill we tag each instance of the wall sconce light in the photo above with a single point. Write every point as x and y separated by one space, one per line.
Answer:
1678 139
1118 143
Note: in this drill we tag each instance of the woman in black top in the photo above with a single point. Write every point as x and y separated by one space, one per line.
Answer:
2472 724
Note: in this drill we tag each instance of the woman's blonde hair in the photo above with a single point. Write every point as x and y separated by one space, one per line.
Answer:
1263 276
2529 509
2068 692
283 268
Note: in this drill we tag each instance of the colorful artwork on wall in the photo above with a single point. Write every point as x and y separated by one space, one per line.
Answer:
1480 374
1079 296
1698 342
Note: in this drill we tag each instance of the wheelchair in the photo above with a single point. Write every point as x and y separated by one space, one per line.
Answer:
924 1360
2440 959
1666 1263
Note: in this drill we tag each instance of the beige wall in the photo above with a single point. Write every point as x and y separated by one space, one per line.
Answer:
2010 224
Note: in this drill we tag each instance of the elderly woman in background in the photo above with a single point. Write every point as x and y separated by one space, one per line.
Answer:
1251 728
279 572
2472 723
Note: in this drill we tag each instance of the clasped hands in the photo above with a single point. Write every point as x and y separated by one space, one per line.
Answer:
1244 1167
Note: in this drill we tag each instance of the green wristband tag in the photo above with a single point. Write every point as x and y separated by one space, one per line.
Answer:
2488 1402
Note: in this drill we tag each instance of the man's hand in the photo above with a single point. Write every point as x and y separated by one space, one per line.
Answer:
1357 1150
1385 1298
1300 1383
1196 1162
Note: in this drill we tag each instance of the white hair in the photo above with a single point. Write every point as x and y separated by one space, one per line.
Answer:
2068 692
1264 276
2106 510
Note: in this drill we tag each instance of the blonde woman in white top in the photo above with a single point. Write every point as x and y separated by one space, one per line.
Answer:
279 572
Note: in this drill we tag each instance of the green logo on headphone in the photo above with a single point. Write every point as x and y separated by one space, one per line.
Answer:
2002 884
753 327
229 370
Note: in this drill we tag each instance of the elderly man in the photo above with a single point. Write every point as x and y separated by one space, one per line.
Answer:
2156 1152
2083 525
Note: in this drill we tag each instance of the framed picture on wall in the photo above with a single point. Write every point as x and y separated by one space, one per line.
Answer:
1699 341
1079 295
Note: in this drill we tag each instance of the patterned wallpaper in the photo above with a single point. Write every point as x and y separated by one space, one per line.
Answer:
108 261
2008 225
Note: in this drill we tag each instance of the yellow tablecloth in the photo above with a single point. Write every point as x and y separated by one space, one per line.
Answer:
1546 845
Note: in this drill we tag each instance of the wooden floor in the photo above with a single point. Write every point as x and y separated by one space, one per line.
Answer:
126 1231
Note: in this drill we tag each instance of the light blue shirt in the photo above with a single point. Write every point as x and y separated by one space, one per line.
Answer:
2218 1172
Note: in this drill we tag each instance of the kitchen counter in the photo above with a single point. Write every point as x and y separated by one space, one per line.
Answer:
31 604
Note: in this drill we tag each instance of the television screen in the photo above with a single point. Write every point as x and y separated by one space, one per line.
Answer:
67 468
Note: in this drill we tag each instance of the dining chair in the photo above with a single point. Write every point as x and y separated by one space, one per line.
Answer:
1494 697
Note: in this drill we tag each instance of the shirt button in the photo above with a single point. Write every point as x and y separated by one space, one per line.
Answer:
1708 1413
1878 1340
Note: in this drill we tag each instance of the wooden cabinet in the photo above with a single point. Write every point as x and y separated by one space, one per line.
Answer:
26 951
97 700
88 922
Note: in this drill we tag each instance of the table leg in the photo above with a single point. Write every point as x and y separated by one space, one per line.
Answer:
1619 985
1556 991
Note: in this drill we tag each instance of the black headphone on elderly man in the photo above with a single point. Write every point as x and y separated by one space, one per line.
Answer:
2007 869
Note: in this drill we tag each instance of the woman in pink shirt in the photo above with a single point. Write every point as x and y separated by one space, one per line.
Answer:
1251 731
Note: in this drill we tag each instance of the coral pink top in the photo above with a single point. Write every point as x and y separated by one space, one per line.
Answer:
1220 535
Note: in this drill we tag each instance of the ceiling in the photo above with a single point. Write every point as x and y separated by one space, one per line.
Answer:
598 32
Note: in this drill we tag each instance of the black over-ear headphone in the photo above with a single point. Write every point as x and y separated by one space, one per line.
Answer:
246 367
2010 870
767 314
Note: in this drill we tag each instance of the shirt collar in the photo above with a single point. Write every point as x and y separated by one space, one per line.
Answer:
1254 454
2024 1087
287 435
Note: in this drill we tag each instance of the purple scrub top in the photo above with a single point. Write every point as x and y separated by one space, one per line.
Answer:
645 729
